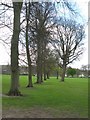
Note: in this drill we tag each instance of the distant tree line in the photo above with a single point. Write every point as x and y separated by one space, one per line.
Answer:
54 71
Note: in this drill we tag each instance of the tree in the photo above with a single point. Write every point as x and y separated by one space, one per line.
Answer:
50 63
40 31
78 72
14 91
68 43
27 47
71 71
52 67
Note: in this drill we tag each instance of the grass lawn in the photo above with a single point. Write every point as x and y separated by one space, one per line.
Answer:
69 99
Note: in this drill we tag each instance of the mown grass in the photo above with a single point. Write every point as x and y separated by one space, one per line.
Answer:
72 95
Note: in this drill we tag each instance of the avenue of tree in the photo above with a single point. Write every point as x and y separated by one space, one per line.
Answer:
50 41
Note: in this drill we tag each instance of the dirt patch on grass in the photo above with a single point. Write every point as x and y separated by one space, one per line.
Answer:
38 113
26 113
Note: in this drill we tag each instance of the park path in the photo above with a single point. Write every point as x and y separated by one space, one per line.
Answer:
26 113
37 112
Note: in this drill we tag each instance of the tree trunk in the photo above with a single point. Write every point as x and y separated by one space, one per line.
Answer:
44 75
27 49
41 76
30 84
48 75
39 59
39 24
39 67
44 60
14 90
41 63
57 74
44 72
63 73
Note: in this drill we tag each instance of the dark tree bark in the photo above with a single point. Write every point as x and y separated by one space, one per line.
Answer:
27 48
14 90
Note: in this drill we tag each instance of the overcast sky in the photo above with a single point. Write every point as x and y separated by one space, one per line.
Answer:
83 6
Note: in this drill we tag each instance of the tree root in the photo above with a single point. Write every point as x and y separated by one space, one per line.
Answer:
14 93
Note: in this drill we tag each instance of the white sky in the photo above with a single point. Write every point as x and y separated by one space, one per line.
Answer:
83 5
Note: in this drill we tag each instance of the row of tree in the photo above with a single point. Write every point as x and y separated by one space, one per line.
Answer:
48 39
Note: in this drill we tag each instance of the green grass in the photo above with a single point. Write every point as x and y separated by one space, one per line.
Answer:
72 95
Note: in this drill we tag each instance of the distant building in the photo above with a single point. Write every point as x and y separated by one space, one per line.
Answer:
23 70
6 69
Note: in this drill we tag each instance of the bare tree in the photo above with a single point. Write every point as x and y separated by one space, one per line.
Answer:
68 43
40 32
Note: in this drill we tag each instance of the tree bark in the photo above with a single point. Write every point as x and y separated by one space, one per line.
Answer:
63 73
27 49
14 90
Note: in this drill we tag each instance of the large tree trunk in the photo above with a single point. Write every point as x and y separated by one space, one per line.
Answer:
27 49
63 73
14 91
